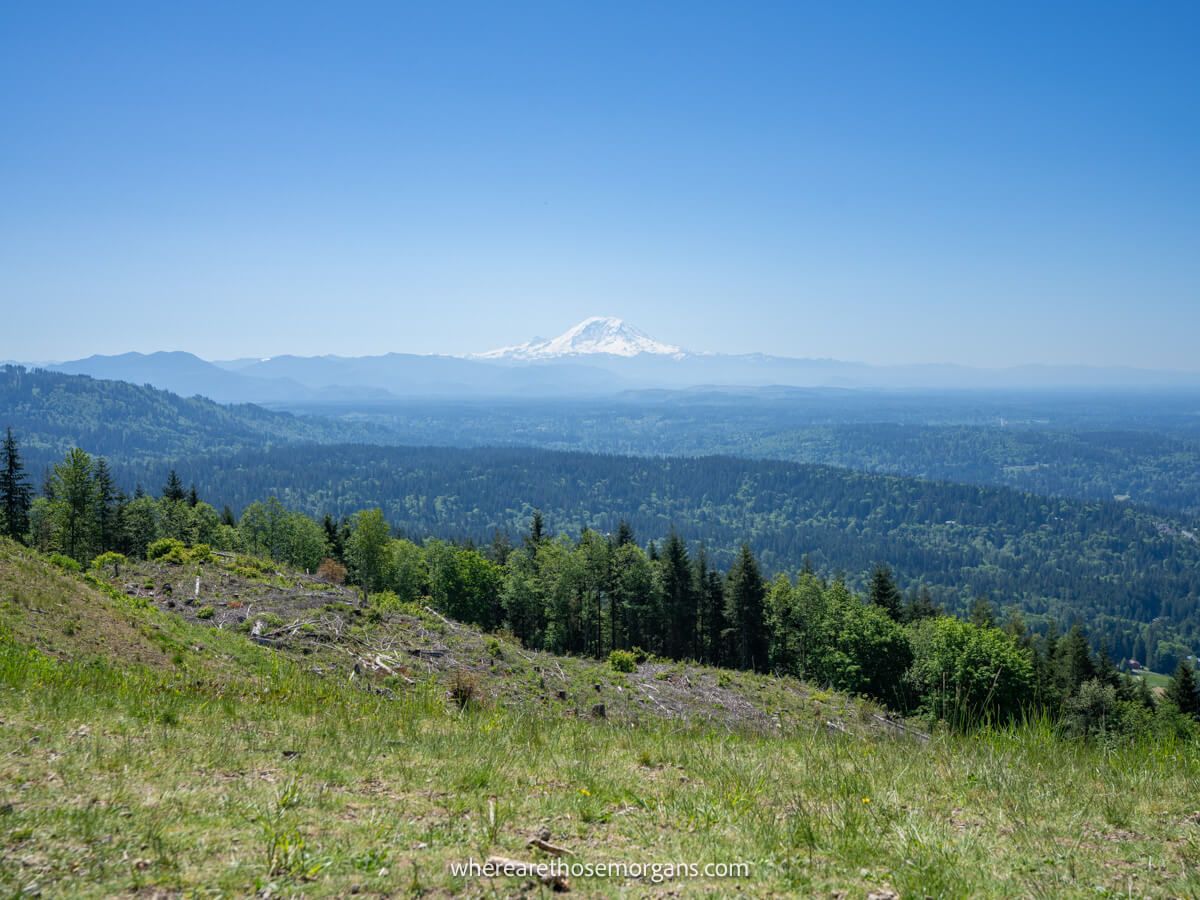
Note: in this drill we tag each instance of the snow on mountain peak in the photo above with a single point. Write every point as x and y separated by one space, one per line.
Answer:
599 334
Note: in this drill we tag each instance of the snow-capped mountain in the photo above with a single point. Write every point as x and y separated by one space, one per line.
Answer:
597 335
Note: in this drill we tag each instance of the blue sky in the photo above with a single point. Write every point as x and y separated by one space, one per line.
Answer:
982 183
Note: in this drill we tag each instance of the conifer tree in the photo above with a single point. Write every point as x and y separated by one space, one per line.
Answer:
120 512
334 538
746 599
679 599
920 606
15 493
1182 690
74 505
710 598
501 547
173 489
106 506
884 593
536 530
1106 670
1143 694
624 533
1075 661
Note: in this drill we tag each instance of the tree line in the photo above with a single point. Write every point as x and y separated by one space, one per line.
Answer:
1131 574
604 594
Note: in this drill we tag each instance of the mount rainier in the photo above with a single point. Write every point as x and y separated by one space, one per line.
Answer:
598 335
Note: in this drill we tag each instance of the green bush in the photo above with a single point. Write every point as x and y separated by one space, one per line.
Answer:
622 661
384 601
967 674
269 622
205 612
251 566
168 550
65 562
109 559
201 553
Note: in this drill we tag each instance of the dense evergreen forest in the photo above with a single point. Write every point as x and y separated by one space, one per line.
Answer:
1146 454
608 596
1133 575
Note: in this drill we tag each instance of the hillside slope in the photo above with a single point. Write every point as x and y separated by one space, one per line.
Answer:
182 757
52 412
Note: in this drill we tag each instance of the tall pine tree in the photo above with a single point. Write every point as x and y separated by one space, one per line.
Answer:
74 505
1075 661
173 489
884 593
1182 690
106 507
537 532
679 599
746 598
15 493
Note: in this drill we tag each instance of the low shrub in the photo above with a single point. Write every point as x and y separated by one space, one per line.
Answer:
622 661
168 550
65 562
110 560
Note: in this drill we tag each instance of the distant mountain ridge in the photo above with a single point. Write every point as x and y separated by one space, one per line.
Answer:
600 356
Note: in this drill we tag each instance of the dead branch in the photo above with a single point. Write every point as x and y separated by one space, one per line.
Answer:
546 846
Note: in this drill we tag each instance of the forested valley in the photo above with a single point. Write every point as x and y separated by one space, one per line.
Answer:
1117 567
608 596
1127 569
1139 448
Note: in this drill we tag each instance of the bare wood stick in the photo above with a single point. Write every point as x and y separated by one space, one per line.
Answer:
552 849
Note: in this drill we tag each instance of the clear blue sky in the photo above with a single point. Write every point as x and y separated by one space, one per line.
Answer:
982 183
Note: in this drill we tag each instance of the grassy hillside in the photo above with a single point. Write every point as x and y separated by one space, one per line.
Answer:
146 749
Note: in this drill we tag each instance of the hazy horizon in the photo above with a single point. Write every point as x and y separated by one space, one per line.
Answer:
583 359
988 187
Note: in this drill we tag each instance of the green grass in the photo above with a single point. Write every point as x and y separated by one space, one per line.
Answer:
226 768
1155 679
